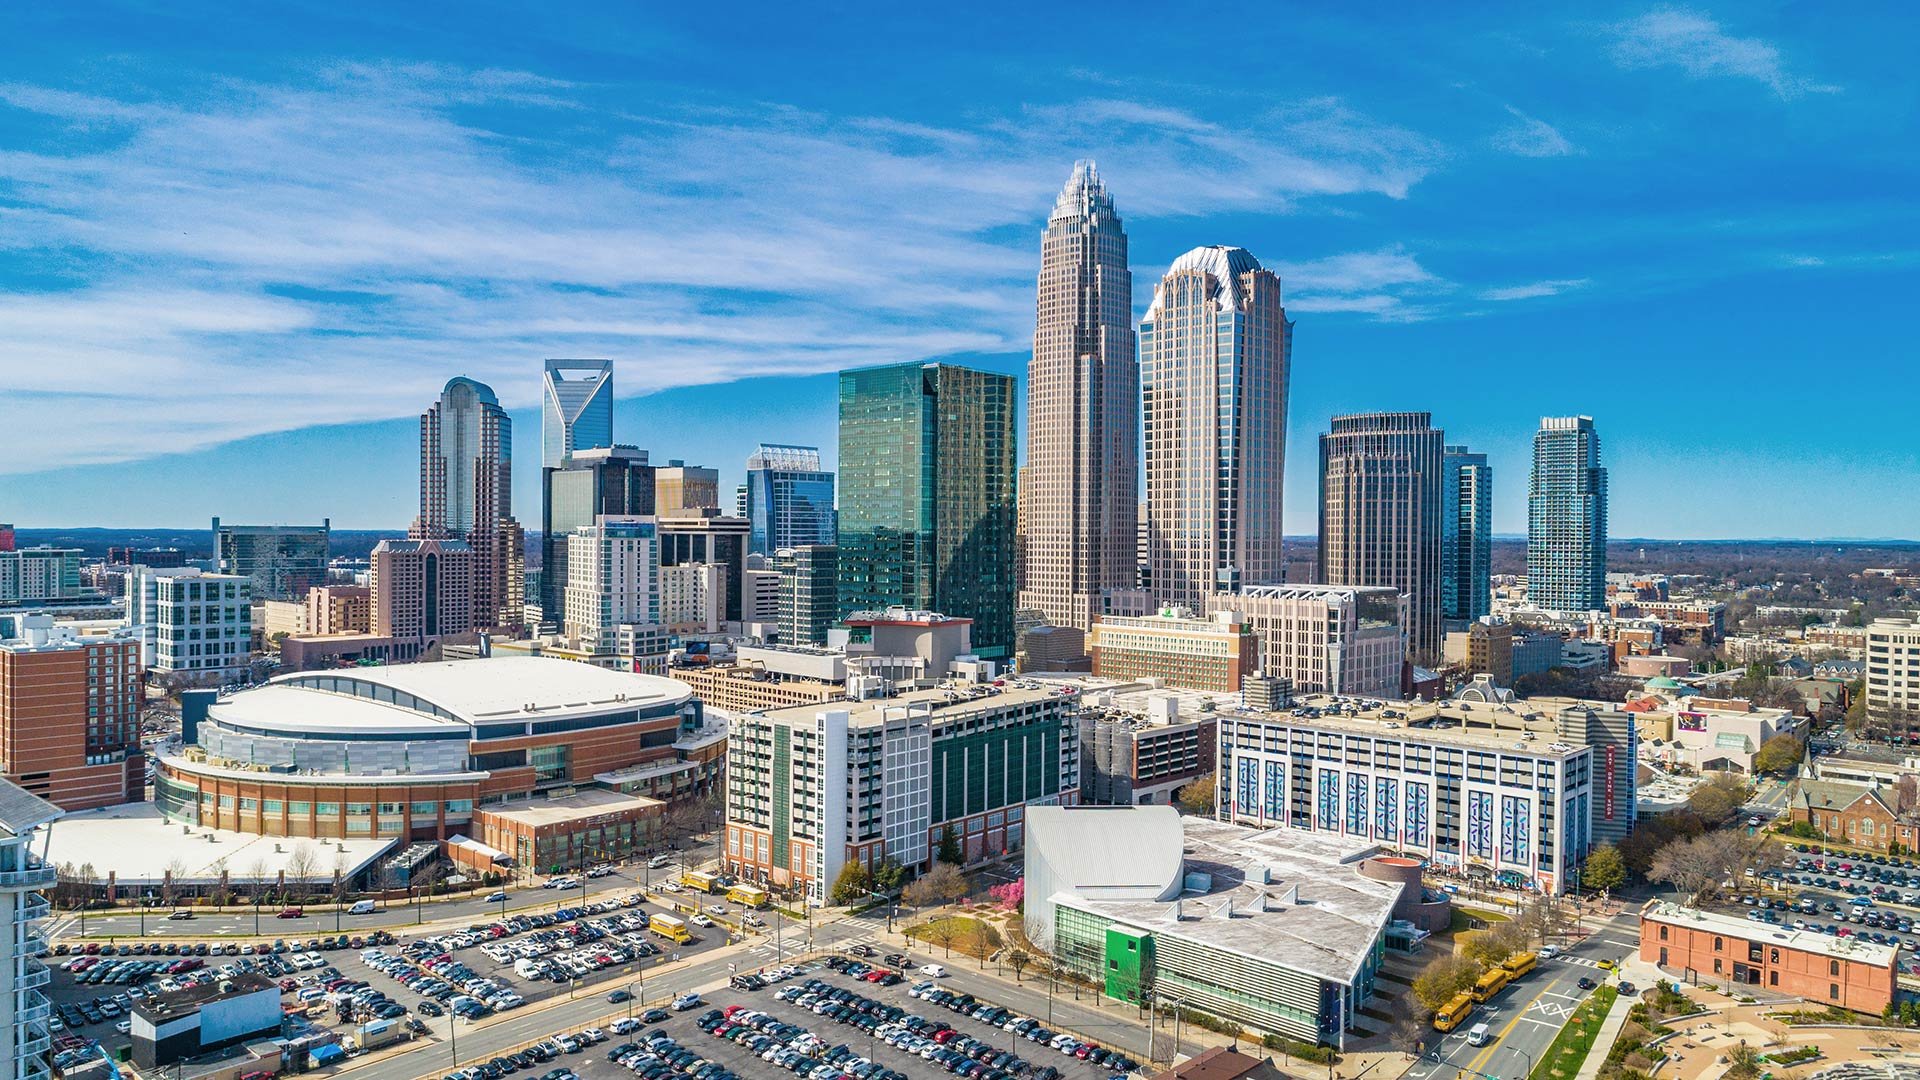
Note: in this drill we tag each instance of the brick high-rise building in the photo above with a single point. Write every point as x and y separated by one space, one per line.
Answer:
339 609
1078 489
466 493
70 715
422 590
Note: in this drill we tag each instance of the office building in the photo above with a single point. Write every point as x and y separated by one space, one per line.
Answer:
1536 651
1176 647
1130 756
706 537
408 750
1274 929
1567 518
788 498
466 493
761 603
70 714
926 495
680 487
1382 514
576 409
192 623
176 1026
1078 489
284 561
812 788
693 598
30 575
24 882
421 591
1328 639
340 609
611 481
809 592
1215 355
1490 649
1466 547
1508 798
613 580
155 557
1893 676
1719 950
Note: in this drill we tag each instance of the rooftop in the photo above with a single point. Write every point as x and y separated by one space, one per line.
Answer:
140 846
21 811
163 1007
490 688
945 704
1840 948
585 803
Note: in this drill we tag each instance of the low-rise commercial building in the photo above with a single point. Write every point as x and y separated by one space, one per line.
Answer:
1176 648
1277 930
1842 972
1333 639
181 1024
811 788
567 832
1704 734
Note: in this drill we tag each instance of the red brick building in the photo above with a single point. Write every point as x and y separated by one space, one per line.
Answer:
70 715
1855 814
1713 948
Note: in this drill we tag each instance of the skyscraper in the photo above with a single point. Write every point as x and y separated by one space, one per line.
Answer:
284 561
422 591
809 595
1567 517
679 486
789 498
1215 354
1382 513
466 493
613 480
927 495
613 580
1466 551
576 409
1078 494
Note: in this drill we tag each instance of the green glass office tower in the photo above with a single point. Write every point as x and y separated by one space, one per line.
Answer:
927 495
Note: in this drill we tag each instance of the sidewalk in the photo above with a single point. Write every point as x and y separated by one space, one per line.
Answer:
1603 1042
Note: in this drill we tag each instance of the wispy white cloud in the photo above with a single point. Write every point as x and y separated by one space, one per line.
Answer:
1388 284
1534 290
1696 43
384 227
1530 136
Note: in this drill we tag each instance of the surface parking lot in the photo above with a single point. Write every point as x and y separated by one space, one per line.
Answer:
1841 894
827 1024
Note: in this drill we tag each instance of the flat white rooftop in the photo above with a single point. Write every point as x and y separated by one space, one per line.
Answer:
139 846
1839 948
503 687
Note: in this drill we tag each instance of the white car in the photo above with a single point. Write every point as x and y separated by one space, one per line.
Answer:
701 920
1548 952
934 971
717 909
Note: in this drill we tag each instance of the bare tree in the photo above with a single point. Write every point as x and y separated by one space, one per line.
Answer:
1906 794
944 933
170 884
943 884
1697 866
302 864
1018 961
257 877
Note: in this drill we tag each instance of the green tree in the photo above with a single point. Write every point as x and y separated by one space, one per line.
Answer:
1717 799
852 886
1198 796
1443 979
1778 754
1605 868
950 847
890 877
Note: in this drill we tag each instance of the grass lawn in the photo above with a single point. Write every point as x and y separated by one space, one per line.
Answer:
1460 918
1562 1060
960 933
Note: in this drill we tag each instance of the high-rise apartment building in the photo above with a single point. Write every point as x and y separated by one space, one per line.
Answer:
613 481
1893 676
284 561
679 486
809 592
1567 517
788 498
191 622
1331 639
422 590
24 879
613 580
1466 548
1382 514
34 574
927 495
70 714
576 411
1215 352
466 493
1078 488
706 537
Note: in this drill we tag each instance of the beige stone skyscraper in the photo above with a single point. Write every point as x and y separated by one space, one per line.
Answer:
466 493
1215 359
1083 391
1382 513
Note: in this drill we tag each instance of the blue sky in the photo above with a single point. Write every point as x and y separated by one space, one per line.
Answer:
241 248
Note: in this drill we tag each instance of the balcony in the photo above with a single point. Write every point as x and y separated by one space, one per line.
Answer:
32 878
32 906
36 1009
36 975
35 1047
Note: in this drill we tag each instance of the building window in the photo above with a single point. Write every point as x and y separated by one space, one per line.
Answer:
1833 991
1833 967
1718 942
1773 978
1663 932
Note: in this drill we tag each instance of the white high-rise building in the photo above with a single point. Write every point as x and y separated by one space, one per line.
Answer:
1893 675
1326 639
24 1012
1078 488
1215 356
613 580
191 622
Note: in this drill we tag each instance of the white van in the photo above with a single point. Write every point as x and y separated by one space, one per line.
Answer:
1479 1035
362 907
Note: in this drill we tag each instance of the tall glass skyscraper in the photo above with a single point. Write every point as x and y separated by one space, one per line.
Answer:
1215 356
576 409
613 481
1078 497
1382 516
466 493
284 561
1567 517
927 495
789 498
1466 551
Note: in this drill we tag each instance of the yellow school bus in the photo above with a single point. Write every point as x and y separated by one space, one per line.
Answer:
1490 984
749 895
1453 1012
1519 964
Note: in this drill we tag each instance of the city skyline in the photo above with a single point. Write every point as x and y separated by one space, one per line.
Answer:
1540 185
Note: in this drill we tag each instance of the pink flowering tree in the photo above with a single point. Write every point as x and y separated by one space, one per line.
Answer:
1010 895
